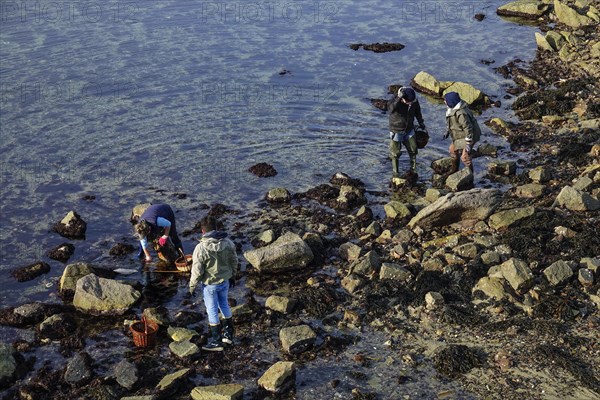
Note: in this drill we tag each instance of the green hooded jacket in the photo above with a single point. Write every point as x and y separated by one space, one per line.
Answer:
462 125
214 260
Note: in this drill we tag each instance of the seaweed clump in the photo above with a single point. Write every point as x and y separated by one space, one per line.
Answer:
455 360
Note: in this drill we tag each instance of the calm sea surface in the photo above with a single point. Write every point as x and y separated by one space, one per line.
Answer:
119 99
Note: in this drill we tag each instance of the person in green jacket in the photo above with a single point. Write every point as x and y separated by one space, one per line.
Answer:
214 265
463 128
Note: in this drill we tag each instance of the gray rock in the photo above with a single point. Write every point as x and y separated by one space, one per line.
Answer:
443 165
79 370
70 276
555 40
170 382
570 16
540 174
433 300
490 258
160 315
559 272
467 250
184 348
278 195
491 287
266 237
181 334
591 263
475 204
529 9
577 200
72 226
230 391
297 339
404 236
504 219
506 168
353 283
530 190
583 183
586 277
432 194
459 181
484 240
100 296
56 326
126 374
467 92
518 274
30 311
433 264
8 364
288 252
394 272
542 43
349 251
279 378
486 149
350 196
426 83
396 209
373 229
148 397
280 304
366 265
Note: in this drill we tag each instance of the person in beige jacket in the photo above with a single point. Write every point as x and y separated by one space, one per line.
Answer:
214 264
463 128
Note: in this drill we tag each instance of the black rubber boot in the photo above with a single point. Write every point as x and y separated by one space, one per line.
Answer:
214 343
227 331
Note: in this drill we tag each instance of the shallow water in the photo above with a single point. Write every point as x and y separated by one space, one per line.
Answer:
117 99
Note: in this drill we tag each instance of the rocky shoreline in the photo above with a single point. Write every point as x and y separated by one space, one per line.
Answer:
475 293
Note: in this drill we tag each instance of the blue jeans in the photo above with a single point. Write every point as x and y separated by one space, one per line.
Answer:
215 299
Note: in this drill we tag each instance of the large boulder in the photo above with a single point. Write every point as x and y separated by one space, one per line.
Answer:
530 9
8 365
467 92
288 252
475 204
426 83
569 16
100 296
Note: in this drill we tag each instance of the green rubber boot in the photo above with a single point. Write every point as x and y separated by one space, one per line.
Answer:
395 166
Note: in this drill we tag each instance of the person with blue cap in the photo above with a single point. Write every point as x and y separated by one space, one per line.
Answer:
403 109
463 128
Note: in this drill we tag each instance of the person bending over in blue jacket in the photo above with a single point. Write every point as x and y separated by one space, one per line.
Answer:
158 221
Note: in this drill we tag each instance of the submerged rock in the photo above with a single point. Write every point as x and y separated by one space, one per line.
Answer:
30 272
263 170
278 195
126 374
79 370
378 47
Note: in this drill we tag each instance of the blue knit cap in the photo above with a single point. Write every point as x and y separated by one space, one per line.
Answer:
409 94
452 99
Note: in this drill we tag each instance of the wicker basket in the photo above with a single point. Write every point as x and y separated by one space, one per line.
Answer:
184 263
144 332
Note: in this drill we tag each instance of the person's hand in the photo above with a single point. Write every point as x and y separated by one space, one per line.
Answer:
231 282
148 259
446 135
163 240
